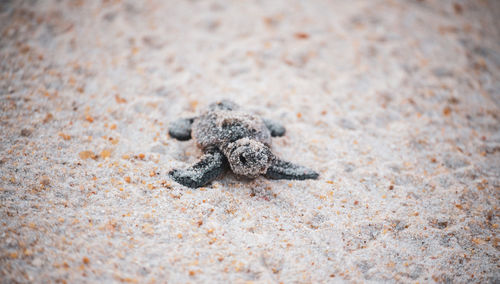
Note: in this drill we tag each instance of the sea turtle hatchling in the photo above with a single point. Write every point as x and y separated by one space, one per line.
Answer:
232 139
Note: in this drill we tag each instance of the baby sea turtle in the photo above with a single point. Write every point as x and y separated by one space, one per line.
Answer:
232 139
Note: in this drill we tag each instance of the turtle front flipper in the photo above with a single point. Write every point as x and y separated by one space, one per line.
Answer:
210 166
181 129
280 169
274 127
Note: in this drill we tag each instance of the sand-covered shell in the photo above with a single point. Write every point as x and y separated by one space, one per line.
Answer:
221 127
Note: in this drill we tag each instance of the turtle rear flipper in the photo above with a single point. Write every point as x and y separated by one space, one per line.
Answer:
210 166
181 129
276 129
281 169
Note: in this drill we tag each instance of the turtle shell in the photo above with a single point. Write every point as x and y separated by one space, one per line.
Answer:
220 127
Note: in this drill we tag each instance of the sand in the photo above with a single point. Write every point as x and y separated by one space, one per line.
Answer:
395 103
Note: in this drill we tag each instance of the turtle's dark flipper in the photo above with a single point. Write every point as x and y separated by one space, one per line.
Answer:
280 169
181 129
209 167
275 127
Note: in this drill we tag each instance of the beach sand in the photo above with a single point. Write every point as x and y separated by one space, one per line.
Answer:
395 103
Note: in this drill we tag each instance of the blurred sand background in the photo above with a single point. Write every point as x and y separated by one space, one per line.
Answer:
395 103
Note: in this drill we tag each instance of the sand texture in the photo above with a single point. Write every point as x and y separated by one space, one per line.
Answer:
395 103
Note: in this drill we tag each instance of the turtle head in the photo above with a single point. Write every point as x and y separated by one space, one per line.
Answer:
248 157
